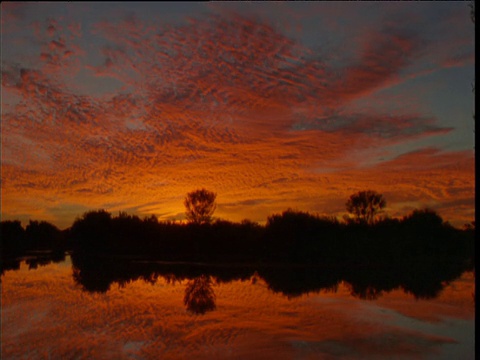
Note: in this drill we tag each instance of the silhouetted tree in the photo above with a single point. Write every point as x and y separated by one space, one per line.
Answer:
200 206
365 205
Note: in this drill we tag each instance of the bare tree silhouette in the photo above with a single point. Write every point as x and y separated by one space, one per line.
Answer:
365 205
200 206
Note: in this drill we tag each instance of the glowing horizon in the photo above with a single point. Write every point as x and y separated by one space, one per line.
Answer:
270 105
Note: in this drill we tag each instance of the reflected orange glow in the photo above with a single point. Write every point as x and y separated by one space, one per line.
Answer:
40 306
455 301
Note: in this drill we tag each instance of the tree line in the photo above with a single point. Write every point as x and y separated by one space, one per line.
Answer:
363 237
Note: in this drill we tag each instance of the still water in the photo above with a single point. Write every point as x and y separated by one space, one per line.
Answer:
59 311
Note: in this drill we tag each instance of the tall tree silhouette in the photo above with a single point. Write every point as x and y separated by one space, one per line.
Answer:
365 205
200 206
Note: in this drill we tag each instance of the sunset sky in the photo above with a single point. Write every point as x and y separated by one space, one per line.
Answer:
129 106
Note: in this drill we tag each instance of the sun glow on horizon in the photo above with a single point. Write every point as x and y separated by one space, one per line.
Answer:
272 106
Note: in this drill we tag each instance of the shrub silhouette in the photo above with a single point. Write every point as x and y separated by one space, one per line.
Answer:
93 231
423 219
300 236
41 235
13 241
426 234
200 206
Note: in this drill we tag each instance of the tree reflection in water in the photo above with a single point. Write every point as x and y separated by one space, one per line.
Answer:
199 295
422 279
33 260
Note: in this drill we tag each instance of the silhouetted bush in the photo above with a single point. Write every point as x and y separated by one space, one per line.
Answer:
425 234
300 236
92 232
13 240
42 235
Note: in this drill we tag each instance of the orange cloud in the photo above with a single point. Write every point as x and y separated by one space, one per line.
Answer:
230 104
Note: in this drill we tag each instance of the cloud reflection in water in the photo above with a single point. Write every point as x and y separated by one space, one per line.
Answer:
45 314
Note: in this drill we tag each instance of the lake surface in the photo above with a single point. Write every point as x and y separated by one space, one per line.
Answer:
61 311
